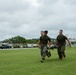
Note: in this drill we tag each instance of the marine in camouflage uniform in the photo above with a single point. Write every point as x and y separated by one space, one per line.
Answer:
61 42
42 43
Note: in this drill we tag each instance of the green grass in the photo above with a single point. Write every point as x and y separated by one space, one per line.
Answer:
27 62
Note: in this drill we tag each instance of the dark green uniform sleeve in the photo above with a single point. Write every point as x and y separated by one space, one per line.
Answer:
65 37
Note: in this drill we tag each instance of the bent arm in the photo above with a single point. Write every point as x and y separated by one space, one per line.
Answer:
69 42
38 43
49 43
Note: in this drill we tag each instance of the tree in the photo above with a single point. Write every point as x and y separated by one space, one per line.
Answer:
17 39
32 41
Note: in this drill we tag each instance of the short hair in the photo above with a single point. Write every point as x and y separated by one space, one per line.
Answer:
46 31
61 30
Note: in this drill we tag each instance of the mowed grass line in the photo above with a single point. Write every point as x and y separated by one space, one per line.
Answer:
27 62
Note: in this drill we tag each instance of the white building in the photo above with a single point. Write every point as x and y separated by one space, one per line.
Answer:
73 41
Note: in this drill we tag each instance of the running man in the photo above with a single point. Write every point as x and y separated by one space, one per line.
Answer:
61 42
42 44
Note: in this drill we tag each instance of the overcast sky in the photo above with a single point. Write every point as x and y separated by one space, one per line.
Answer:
28 17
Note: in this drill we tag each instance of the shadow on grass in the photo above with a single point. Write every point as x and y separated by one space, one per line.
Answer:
53 60
56 60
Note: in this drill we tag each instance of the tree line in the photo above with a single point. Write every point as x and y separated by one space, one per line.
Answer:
19 40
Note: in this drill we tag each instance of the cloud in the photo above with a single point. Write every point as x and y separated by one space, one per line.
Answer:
28 17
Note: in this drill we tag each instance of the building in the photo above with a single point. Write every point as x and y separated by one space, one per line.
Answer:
73 41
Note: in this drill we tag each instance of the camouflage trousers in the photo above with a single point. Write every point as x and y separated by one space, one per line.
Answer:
61 51
43 50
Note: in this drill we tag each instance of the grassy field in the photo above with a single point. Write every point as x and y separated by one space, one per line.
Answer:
27 62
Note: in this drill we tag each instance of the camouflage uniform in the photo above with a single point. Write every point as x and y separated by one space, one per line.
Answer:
61 41
43 45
